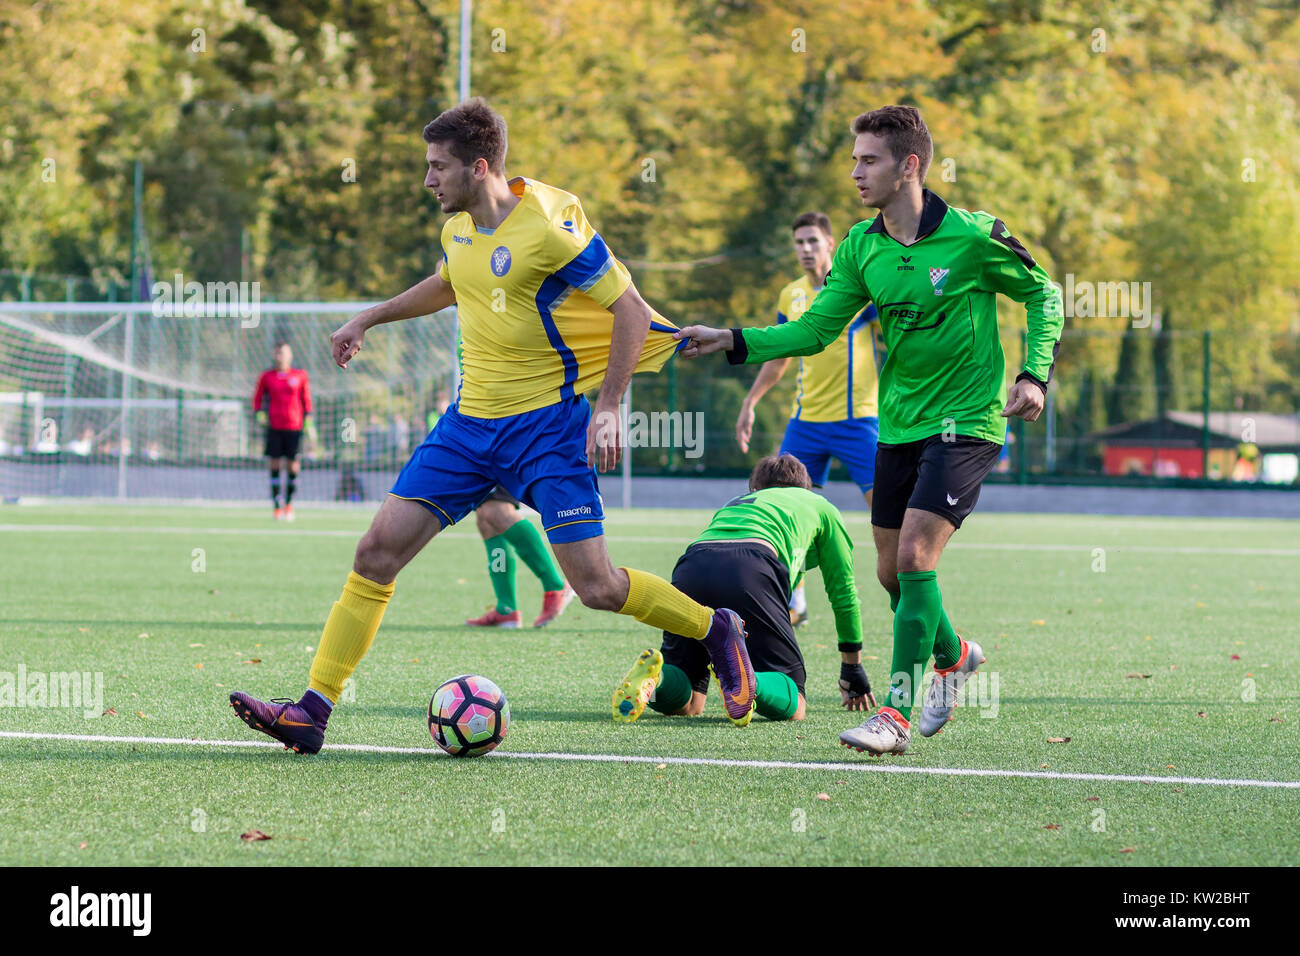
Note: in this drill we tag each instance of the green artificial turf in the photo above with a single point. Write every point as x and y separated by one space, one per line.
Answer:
1068 609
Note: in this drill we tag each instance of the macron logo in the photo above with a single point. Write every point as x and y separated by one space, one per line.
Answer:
103 909
463 240
574 512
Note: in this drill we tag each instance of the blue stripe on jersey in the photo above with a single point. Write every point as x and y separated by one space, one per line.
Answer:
552 292
656 327
586 268
864 319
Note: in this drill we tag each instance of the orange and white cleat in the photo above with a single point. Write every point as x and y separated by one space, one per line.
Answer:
288 512
278 514
494 618
553 605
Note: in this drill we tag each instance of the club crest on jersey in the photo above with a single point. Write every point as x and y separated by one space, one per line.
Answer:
937 278
500 261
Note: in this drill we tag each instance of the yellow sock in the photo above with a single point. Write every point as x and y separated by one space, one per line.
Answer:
348 634
652 600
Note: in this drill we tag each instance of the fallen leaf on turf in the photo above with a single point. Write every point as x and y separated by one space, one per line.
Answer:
1040 622
1173 667
141 713
1178 789
83 630
1235 657
1201 604
142 635
1137 675
214 591
252 660
111 712
1239 643
1052 826
1128 849
1147 638
1277 720
82 846
870 657
413 660
196 645
1090 799
198 666
661 766
823 796
1170 766
461 581
253 835
800 737
1058 740
1042 765
822 646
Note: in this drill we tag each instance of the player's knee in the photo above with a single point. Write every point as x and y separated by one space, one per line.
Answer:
374 560
484 523
600 593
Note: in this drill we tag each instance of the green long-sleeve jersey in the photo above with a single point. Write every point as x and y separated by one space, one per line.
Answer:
807 532
938 315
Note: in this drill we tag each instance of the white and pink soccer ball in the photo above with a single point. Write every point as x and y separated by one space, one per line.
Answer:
468 716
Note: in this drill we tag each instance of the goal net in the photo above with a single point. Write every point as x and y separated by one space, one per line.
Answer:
117 400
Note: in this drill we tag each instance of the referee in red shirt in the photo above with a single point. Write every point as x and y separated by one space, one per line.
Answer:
285 391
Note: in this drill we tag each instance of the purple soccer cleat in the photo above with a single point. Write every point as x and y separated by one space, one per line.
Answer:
725 644
285 720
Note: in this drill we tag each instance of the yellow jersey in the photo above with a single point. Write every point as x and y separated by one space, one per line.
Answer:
840 382
533 296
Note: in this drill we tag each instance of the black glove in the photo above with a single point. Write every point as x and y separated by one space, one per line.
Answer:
854 681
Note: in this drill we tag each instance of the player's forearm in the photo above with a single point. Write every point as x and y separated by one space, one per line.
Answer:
1045 319
630 327
848 621
424 298
768 376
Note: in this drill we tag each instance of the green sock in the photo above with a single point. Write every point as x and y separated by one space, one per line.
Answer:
778 697
947 645
501 568
915 624
527 540
673 692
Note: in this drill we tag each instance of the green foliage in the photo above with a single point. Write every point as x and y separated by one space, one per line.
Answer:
1147 141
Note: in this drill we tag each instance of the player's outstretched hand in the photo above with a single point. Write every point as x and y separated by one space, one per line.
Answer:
346 341
1024 400
703 340
744 425
605 439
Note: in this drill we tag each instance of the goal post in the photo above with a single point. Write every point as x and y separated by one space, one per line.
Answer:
134 401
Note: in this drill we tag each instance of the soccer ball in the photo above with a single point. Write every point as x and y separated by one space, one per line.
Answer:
468 716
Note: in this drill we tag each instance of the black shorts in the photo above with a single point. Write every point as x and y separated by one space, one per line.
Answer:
931 474
500 494
282 442
749 579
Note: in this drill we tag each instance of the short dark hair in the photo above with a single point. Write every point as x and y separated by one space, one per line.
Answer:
779 471
903 130
282 344
472 131
818 219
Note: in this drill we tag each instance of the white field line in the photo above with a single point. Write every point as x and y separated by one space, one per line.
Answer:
846 766
632 538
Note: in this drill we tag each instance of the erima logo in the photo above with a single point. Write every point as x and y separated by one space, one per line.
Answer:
937 278
906 258
500 261
103 909
463 240
951 499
